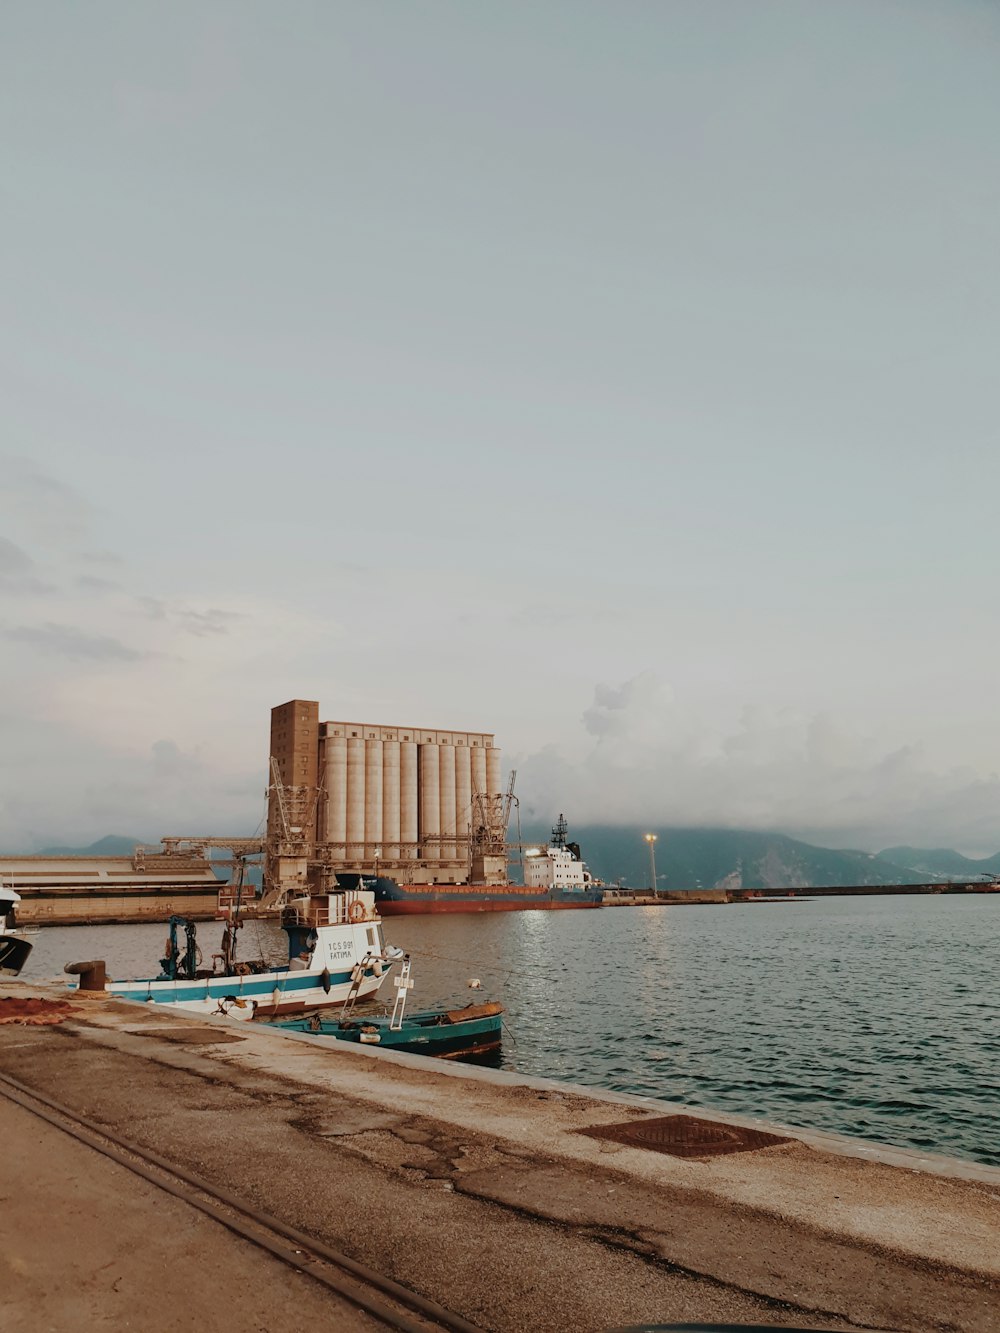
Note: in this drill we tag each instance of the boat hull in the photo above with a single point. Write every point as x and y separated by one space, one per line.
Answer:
416 899
448 1036
263 995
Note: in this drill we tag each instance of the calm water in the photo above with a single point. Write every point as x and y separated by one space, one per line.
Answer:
877 1017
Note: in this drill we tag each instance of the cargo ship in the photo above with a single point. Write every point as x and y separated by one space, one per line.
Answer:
555 877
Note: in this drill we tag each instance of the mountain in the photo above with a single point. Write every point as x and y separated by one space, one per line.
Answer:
942 862
689 858
112 845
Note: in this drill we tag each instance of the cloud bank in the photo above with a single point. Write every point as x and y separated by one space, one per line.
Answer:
642 758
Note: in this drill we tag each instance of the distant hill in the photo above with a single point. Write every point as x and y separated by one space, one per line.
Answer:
687 858
112 845
942 862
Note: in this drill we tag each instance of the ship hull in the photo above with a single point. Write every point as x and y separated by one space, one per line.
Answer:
420 899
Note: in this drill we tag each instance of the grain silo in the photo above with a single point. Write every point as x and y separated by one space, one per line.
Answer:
419 805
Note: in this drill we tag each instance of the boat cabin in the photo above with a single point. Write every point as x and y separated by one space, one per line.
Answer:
332 926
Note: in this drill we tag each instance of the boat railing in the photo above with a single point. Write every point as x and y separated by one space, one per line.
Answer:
345 907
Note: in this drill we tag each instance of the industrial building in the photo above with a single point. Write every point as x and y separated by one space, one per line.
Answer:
83 890
417 804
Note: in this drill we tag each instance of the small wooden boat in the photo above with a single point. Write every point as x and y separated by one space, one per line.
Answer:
449 1033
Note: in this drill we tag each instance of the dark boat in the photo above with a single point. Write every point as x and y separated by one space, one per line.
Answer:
14 948
449 1033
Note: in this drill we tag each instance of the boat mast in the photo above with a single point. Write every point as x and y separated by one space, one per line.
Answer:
560 831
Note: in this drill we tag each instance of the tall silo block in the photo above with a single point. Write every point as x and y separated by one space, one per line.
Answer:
336 793
446 771
479 806
373 798
430 802
390 800
408 807
463 798
493 772
355 798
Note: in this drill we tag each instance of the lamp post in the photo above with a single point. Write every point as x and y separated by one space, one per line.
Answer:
651 840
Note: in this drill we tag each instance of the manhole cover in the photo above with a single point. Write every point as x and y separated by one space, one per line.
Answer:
192 1036
685 1136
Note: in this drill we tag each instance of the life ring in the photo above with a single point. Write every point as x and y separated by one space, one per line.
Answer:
356 911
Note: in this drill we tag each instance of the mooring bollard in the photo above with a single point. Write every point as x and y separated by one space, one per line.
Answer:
92 975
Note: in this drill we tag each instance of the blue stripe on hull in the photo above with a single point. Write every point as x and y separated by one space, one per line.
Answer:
291 985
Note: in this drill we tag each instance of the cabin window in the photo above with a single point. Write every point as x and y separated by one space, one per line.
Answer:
371 937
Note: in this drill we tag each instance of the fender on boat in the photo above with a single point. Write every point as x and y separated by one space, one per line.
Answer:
324 977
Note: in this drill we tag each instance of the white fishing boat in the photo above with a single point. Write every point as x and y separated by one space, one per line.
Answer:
336 953
14 948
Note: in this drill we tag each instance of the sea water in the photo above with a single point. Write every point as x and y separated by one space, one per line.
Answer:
877 1017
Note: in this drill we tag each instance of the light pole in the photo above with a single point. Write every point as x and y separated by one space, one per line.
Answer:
651 840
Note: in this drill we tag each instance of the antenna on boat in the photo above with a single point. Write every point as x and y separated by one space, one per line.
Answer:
231 904
560 831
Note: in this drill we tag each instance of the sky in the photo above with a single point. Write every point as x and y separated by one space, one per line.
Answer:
617 378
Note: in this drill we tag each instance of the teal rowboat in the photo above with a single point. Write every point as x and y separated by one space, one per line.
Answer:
449 1033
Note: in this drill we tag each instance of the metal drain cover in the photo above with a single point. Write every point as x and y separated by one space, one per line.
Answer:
185 1036
685 1136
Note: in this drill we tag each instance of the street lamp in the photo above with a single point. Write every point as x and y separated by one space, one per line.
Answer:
651 840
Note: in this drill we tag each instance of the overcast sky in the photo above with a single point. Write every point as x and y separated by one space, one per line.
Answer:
620 378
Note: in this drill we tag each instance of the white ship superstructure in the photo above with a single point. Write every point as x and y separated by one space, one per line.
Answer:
557 866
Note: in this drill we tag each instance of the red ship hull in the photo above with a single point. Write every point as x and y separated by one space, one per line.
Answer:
419 899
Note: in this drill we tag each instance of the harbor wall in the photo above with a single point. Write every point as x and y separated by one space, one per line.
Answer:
129 907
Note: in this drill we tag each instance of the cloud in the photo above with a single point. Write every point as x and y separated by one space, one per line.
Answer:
31 494
68 641
212 621
17 571
72 789
91 583
191 621
645 759
13 560
100 558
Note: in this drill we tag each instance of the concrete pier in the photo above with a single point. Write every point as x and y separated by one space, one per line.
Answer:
470 1186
